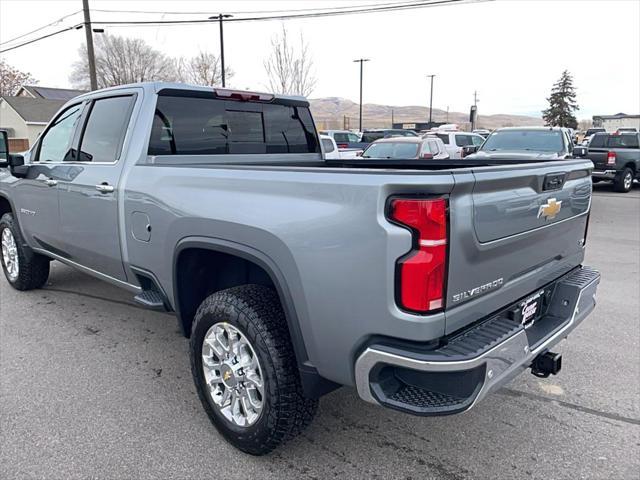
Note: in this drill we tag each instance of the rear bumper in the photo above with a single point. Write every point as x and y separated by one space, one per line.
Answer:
475 362
607 174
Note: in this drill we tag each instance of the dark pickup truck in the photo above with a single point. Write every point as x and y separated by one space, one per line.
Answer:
616 157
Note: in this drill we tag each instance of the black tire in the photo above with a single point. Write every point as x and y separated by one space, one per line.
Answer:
33 270
621 182
255 311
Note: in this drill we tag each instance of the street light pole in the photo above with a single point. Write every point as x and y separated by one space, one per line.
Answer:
220 17
430 99
361 61
90 53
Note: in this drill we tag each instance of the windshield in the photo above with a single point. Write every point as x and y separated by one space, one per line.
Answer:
526 140
398 150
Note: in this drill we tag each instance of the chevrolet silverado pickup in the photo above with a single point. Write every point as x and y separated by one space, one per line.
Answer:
424 284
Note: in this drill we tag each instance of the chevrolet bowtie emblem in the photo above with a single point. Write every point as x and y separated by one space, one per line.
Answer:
226 375
550 209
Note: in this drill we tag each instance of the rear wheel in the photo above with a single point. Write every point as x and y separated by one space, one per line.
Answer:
623 181
245 370
24 269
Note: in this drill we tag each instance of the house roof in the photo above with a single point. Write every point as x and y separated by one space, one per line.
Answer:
50 93
34 110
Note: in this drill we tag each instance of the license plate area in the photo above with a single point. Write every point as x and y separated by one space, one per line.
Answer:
529 310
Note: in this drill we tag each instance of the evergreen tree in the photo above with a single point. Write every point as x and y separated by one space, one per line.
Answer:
562 103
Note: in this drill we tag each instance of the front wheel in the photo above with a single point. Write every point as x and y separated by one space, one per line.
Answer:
245 370
623 181
24 269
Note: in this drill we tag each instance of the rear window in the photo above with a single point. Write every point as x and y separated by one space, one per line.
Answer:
524 140
343 137
464 140
368 137
614 141
400 150
444 137
208 126
327 144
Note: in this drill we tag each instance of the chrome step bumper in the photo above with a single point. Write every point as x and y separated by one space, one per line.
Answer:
476 362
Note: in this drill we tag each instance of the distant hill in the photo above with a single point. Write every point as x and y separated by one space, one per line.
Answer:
330 113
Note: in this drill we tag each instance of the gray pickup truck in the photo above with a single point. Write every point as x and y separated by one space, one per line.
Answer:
616 157
425 286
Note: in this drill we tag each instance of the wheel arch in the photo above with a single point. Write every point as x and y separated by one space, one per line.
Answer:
248 254
313 384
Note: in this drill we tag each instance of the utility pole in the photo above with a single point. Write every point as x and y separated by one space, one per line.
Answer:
220 18
90 52
447 113
430 99
392 121
474 110
361 60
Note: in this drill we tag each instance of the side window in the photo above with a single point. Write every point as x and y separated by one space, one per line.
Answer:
340 137
426 148
56 146
353 138
434 147
104 133
327 145
444 137
477 141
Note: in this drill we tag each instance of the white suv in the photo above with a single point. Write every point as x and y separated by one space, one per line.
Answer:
454 141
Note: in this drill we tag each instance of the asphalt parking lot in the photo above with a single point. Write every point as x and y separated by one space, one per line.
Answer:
93 386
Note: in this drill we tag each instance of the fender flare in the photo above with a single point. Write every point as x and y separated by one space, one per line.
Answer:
263 261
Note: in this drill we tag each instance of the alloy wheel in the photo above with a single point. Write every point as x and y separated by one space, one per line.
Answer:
233 374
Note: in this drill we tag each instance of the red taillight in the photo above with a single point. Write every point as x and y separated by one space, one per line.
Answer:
343 145
421 273
611 158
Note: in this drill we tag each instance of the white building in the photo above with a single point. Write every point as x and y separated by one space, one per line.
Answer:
611 123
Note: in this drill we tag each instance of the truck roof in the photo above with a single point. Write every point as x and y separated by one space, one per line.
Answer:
155 87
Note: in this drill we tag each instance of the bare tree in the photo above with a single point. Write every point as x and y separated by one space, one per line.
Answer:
121 60
11 79
290 69
203 69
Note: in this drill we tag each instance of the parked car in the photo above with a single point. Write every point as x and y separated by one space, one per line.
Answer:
589 133
454 141
425 288
616 157
371 135
627 129
524 143
332 152
407 148
343 138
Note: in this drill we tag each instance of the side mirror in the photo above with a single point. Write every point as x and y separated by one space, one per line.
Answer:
17 166
469 149
4 149
580 151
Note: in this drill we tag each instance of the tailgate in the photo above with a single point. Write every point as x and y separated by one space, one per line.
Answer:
599 158
513 229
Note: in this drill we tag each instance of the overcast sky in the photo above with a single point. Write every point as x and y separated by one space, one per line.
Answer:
510 51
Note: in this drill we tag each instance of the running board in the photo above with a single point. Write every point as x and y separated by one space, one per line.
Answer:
152 300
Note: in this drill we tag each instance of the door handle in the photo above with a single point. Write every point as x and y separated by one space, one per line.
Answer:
105 188
51 182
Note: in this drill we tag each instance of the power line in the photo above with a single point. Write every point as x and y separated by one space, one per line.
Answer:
253 12
40 38
414 5
55 22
